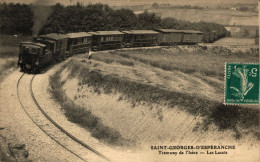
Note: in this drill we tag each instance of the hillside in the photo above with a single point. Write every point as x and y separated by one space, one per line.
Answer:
160 99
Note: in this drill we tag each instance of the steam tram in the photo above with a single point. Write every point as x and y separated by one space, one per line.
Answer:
44 49
33 56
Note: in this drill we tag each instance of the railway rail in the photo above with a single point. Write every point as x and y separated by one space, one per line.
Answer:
52 129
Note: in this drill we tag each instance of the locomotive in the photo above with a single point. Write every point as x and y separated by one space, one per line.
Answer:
44 49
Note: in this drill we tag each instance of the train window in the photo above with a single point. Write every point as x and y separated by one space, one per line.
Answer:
139 36
26 49
40 52
118 38
110 38
34 50
81 40
78 41
50 47
58 44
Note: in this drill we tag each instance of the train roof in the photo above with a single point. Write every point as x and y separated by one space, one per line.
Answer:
106 33
34 43
179 31
55 36
79 35
140 32
192 31
170 30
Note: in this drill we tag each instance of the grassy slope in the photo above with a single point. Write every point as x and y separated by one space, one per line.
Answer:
83 117
236 118
225 117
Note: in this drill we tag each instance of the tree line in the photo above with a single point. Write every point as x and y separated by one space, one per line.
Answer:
20 19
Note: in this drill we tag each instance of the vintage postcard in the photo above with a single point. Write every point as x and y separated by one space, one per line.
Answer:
129 81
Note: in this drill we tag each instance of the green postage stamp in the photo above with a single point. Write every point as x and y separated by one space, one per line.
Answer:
241 83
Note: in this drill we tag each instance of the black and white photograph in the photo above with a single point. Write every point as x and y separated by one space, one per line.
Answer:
129 81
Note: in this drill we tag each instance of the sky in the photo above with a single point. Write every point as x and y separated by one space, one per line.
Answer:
136 2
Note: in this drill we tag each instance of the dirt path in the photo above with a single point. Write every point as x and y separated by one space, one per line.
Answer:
20 129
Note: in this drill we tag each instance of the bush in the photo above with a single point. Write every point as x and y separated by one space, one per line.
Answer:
17 19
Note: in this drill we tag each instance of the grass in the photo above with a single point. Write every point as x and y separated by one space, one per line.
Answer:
9 50
14 41
9 45
235 41
210 15
9 64
189 60
224 117
110 58
83 117
8 67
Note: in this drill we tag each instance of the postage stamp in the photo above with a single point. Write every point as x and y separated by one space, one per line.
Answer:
242 83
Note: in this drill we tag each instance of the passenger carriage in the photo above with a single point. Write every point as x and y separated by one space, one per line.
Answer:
103 40
192 36
140 38
78 43
170 36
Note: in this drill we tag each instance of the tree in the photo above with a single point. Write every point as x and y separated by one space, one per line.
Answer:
155 6
148 20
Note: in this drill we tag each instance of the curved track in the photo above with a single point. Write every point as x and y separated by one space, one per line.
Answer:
63 138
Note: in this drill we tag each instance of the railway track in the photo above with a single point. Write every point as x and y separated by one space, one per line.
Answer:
28 102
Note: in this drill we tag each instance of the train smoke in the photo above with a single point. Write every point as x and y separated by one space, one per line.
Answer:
41 11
